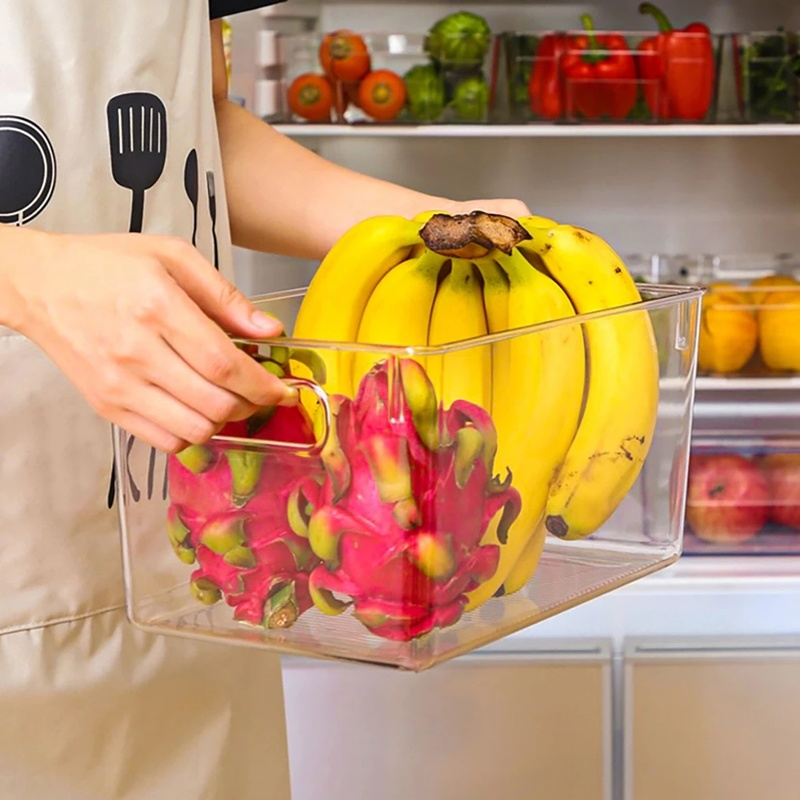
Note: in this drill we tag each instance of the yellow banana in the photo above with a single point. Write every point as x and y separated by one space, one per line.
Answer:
495 301
458 314
537 222
537 393
621 404
335 300
399 310
526 564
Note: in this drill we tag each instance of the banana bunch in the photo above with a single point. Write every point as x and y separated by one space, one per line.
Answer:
573 401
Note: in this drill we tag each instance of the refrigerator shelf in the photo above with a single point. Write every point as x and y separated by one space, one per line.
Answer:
646 130
706 383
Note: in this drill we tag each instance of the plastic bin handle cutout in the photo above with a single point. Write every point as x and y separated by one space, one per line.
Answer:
297 447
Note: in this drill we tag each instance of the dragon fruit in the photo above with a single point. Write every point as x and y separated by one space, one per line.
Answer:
407 497
241 515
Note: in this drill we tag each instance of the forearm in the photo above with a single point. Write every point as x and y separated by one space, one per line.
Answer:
21 250
285 199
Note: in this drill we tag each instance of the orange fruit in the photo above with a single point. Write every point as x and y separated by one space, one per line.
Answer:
769 281
728 330
779 330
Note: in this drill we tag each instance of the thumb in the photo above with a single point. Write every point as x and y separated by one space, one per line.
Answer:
217 296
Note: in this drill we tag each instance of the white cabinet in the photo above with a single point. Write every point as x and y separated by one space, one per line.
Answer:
510 725
708 719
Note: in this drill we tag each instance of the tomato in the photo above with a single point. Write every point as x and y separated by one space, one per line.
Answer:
311 97
344 56
344 94
382 95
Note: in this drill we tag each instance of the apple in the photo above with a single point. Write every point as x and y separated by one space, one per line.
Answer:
782 471
727 499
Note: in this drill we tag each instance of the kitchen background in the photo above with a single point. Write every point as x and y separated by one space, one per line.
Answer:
684 684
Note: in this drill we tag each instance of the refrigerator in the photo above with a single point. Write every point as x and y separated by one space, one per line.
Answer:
685 683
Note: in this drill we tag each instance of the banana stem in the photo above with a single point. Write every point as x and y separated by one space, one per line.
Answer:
473 235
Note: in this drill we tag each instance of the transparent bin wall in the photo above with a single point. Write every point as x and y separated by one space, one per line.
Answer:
744 495
542 83
445 91
751 330
767 75
234 557
750 323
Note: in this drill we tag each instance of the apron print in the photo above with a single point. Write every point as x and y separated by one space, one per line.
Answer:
27 170
137 132
137 136
191 184
212 210
133 486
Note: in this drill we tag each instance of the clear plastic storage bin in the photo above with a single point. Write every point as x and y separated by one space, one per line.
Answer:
767 75
750 323
751 329
743 495
376 528
404 82
550 77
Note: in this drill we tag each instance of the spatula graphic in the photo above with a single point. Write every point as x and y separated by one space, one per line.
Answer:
137 135
212 209
191 185
137 132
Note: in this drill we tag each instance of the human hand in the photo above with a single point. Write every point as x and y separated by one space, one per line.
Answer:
509 208
137 323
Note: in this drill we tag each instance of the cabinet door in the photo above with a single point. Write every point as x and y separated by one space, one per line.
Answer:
711 719
515 726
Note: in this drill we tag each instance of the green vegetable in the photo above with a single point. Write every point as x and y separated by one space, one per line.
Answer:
460 38
770 77
471 100
520 52
424 93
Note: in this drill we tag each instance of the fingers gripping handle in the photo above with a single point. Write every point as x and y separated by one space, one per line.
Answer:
298 447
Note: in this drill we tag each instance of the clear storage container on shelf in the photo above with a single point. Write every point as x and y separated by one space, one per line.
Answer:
380 528
750 323
767 75
614 76
743 495
403 79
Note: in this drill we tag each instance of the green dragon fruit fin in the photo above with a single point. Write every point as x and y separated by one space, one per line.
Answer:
469 447
205 591
221 536
324 600
388 461
246 466
323 535
332 455
281 609
240 556
421 398
197 458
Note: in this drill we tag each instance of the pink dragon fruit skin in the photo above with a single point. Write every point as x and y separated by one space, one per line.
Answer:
400 538
249 546
212 491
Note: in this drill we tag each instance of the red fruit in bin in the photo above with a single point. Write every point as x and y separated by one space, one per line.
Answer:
728 498
782 472
344 56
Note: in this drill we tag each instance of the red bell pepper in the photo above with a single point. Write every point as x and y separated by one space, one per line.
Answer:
600 79
544 85
677 67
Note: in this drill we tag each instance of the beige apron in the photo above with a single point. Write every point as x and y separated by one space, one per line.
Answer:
102 103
